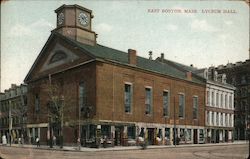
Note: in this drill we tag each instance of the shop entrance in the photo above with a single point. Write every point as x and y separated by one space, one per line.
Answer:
118 135
195 136
217 136
226 136
151 136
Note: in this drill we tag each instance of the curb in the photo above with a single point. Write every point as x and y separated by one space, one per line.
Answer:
74 149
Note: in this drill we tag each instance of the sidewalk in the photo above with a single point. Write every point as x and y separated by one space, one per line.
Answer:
121 148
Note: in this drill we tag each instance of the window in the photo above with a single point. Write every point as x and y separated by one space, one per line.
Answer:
212 118
141 134
212 98
226 106
148 100
195 107
82 96
226 120
59 55
182 134
106 130
221 100
128 98
230 101
217 99
181 105
221 119
188 134
131 132
165 103
208 98
167 133
217 119
37 103
159 134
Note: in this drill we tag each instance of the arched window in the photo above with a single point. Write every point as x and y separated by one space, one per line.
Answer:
59 55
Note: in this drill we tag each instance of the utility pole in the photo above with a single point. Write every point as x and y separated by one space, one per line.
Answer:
10 122
79 129
62 105
174 125
50 120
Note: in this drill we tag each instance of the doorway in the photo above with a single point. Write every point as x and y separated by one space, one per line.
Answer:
195 136
151 136
118 135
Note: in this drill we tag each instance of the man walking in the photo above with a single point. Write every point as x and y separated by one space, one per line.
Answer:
37 142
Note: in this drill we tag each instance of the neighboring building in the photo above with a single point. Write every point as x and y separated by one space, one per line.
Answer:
109 93
13 112
238 74
219 107
219 112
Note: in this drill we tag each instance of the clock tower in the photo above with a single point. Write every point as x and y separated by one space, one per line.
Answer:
75 22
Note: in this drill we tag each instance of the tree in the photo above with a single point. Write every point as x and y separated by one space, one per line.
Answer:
56 108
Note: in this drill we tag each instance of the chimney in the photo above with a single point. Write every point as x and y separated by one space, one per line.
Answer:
132 59
13 86
162 57
189 75
150 53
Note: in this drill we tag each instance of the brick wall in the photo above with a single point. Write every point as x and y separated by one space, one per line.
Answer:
110 96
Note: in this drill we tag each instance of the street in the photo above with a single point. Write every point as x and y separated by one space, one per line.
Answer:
239 151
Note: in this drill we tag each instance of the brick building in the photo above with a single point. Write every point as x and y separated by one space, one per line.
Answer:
110 94
13 112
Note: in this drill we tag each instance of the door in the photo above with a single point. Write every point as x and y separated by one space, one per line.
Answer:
150 136
118 135
217 136
195 136
226 136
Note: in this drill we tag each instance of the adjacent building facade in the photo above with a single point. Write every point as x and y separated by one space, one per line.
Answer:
238 74
108 94
219 112
13 112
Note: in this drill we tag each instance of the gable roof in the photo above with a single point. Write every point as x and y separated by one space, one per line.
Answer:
110 54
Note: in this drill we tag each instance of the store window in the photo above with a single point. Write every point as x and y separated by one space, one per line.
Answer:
131 132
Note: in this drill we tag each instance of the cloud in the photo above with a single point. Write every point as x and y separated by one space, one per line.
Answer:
202 25
229 22
20 30
104 27
42 23
172 27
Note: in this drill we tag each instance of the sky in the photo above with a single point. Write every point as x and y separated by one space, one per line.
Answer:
202 33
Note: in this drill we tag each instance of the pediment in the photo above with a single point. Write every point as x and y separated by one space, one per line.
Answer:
57 56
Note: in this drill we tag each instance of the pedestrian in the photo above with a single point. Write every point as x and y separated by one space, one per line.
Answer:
37 142
54 140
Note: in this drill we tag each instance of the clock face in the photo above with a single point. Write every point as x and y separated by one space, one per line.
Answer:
83 19
60 18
